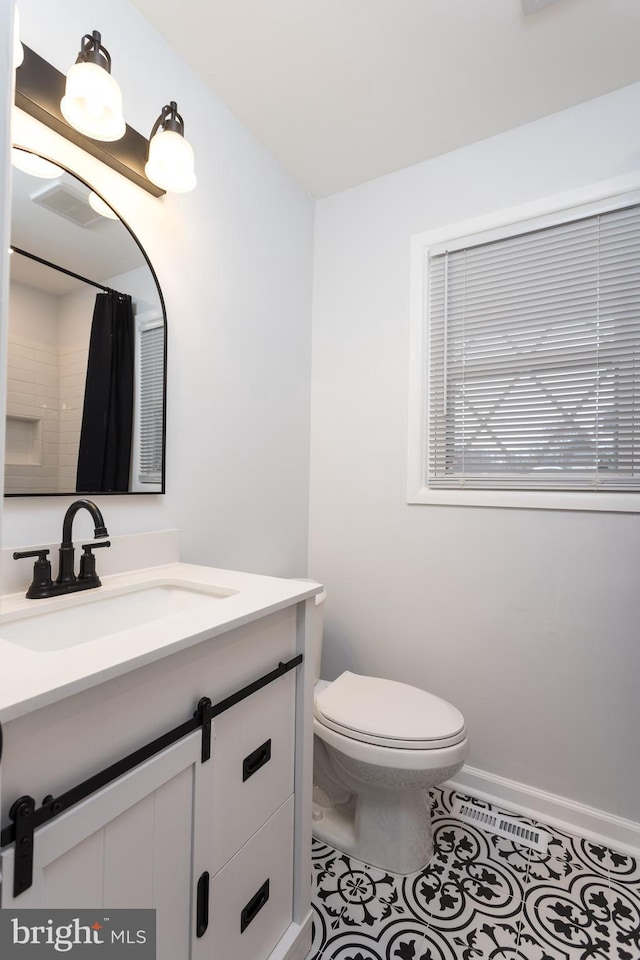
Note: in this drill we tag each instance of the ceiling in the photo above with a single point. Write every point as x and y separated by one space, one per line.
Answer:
343 91
103 250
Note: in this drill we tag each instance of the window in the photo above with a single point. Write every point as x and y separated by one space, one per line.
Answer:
531 367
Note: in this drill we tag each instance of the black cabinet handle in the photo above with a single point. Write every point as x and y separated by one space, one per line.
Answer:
255 760
202 905
254 906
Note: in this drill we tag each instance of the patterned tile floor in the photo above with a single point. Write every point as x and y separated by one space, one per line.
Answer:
480 898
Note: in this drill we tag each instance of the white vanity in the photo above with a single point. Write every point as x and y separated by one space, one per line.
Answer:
214 832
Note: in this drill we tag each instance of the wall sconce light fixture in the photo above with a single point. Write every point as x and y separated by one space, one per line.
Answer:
164 165
92 102
170 163
39 90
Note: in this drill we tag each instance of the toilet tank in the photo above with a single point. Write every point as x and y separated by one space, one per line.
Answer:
316 652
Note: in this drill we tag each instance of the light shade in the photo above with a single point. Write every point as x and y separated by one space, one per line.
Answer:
92 103
171 162
35 165
102 207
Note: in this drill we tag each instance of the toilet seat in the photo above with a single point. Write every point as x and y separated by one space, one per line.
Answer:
387 713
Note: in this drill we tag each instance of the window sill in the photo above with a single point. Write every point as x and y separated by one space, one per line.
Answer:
529 499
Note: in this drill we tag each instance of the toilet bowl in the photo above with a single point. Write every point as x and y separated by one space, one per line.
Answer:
379 746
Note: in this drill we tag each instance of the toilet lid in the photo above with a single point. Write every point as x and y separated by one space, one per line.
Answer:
389 713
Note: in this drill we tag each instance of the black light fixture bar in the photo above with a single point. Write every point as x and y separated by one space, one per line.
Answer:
39 89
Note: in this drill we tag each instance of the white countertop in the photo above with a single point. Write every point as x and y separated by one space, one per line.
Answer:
30 679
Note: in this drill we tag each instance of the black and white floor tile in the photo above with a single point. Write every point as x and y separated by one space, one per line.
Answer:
480 898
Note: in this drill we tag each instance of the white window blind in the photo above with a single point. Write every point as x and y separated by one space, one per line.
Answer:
151 385
534 359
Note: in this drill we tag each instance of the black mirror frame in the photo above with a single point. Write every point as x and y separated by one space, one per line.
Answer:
118 493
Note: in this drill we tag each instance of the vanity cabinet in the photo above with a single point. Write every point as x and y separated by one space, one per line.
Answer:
219 843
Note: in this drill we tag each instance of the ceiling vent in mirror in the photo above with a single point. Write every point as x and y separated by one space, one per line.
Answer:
60 199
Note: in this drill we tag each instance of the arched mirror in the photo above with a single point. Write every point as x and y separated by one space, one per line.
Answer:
86 345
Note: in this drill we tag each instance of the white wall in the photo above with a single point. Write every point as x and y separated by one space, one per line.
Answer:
234 261
6 74
527 620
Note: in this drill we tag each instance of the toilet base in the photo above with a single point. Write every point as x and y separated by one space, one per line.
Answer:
389 829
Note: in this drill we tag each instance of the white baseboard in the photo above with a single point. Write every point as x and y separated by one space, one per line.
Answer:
575 818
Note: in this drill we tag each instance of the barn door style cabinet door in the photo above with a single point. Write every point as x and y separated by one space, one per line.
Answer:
139 842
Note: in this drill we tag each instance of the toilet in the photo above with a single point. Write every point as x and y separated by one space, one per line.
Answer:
379 745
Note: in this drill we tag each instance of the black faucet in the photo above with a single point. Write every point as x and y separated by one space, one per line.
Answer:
66 573
66 581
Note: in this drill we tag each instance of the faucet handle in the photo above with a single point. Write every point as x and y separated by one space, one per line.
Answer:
41 572
22 554
88 561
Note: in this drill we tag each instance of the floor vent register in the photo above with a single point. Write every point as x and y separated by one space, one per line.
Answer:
503 826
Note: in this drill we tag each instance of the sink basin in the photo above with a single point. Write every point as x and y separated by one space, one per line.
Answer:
98 615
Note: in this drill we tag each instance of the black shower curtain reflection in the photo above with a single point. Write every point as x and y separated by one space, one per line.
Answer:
104 457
